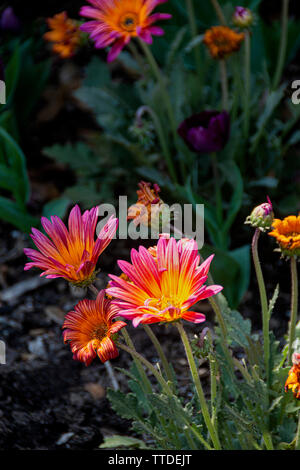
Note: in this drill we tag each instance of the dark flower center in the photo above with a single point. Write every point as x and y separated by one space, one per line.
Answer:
129 22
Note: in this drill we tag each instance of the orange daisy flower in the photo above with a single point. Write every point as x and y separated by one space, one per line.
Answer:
89 329
71 254
162 289
222 41
287 234
148 205
64 34
115 22
293 380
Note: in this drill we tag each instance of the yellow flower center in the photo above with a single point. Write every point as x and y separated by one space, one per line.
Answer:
129 22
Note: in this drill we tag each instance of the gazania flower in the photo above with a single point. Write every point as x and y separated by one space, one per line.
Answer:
115 22
293 380
287 234
148 206
89 329
64 34
206 132
162 289
71 254
222 41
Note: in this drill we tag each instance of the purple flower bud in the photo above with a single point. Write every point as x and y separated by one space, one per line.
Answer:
262 216
242 17
9 21
206 132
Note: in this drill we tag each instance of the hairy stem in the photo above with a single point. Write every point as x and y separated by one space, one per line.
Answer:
219 12
263 300
160 352
224 84
294 306
193 368
283 43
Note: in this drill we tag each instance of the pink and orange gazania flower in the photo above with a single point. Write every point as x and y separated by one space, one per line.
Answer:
115 22
162 288
90 330
71 254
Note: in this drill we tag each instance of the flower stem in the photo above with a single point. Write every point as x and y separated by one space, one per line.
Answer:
149 366
283 42
160 79
193 26
161 353
195 376
294 306
156 71
247 83
218 194
297 445
263 300
224 84
268 440
146 382
219 12
162 139
111 374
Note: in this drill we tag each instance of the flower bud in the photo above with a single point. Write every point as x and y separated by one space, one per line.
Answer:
262 216
242 17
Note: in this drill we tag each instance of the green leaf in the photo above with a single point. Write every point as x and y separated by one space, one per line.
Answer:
17 166
117 441
11 212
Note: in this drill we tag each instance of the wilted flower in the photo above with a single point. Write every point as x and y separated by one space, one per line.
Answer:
71 254
163 289
287 234
64 34
206 132
89 329
242 17
9 21
148 207
262 216
293 380
116 22
222 41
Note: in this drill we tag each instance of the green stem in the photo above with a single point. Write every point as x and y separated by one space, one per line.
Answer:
247 83
160 79
149 366
193 26
264 302
189 354
162 139
136 55
224 84
294 306
297 445
283 43
268 440
136 357
219 12
161 353
218 193
156 71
